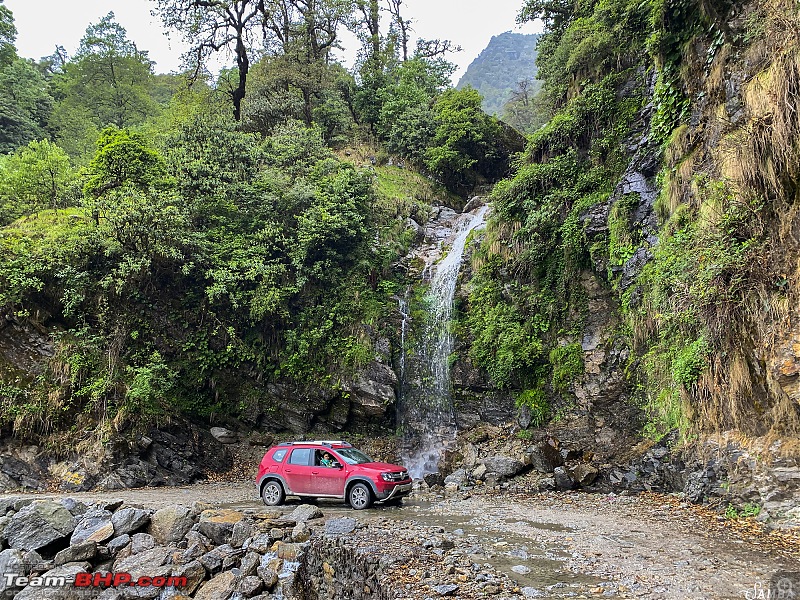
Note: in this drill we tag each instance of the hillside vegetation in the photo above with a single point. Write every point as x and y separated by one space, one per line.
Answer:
667 175
505 71
179 261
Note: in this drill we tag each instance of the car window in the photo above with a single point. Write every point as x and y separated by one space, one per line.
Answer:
352 456
279 454
300 456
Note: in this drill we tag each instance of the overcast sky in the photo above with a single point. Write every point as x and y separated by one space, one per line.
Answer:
43 24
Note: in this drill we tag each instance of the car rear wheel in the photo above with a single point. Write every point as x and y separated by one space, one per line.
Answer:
360 496
272 493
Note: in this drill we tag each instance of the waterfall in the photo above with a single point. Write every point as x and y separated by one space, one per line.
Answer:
426 407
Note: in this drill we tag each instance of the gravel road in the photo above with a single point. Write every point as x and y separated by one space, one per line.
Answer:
561 545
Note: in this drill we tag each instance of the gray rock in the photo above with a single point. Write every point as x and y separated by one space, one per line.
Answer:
151 563
259 438
532 592
250 586
221 557
341 526
250 563
86 550
129 520
241 532
304 512
269 576
219 588
194 572
301 533
261 543
521 569
95 525
11 561
473 203
447 589
75 507
58 593
118 543
170 524
39 524
225 436
142 542
563 480
543 457
504 466
459 477
373 391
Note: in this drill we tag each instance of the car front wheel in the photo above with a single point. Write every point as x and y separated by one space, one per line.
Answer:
272 493
360 496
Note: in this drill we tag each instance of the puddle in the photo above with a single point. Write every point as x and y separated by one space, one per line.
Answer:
538 565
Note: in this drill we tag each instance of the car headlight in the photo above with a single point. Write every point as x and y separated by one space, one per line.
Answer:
387 476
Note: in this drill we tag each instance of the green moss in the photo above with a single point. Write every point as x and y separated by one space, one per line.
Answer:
567 365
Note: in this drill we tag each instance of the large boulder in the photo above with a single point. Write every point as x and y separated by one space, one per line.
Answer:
95 525
77 552
219 588
170 524
129 520
224 436
543 457
217 525
152 563
373 392
303 513
38 524
504 466
584 474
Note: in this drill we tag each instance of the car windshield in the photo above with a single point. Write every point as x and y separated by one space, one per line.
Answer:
352 456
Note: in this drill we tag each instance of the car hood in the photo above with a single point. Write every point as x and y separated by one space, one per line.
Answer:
378 466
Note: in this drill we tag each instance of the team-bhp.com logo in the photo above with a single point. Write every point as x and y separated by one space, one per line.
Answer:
781 586
87 580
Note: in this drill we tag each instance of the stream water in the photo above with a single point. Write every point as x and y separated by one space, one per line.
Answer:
426 408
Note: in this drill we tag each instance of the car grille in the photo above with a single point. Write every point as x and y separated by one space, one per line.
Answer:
398 476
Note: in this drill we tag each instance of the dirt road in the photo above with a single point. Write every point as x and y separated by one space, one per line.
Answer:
562 545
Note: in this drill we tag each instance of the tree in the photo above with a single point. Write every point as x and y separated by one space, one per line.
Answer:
123 158
8 34
25 105
213 25
37 176
108 79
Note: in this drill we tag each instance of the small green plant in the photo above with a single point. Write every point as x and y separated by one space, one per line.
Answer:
536 401
749 510
525 434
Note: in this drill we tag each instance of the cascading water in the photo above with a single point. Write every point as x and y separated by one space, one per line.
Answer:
426 407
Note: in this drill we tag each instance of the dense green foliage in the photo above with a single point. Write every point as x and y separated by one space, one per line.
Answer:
184 261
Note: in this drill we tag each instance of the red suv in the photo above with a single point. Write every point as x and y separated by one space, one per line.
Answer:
327 469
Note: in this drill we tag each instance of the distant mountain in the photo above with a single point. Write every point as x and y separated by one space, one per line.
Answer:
508 59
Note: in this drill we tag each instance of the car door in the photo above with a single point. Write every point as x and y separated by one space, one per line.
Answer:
297 470
329 481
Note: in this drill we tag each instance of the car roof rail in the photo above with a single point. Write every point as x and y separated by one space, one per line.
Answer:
285 444
330 443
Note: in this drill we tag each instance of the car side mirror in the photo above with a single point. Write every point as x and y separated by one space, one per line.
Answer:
338 465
